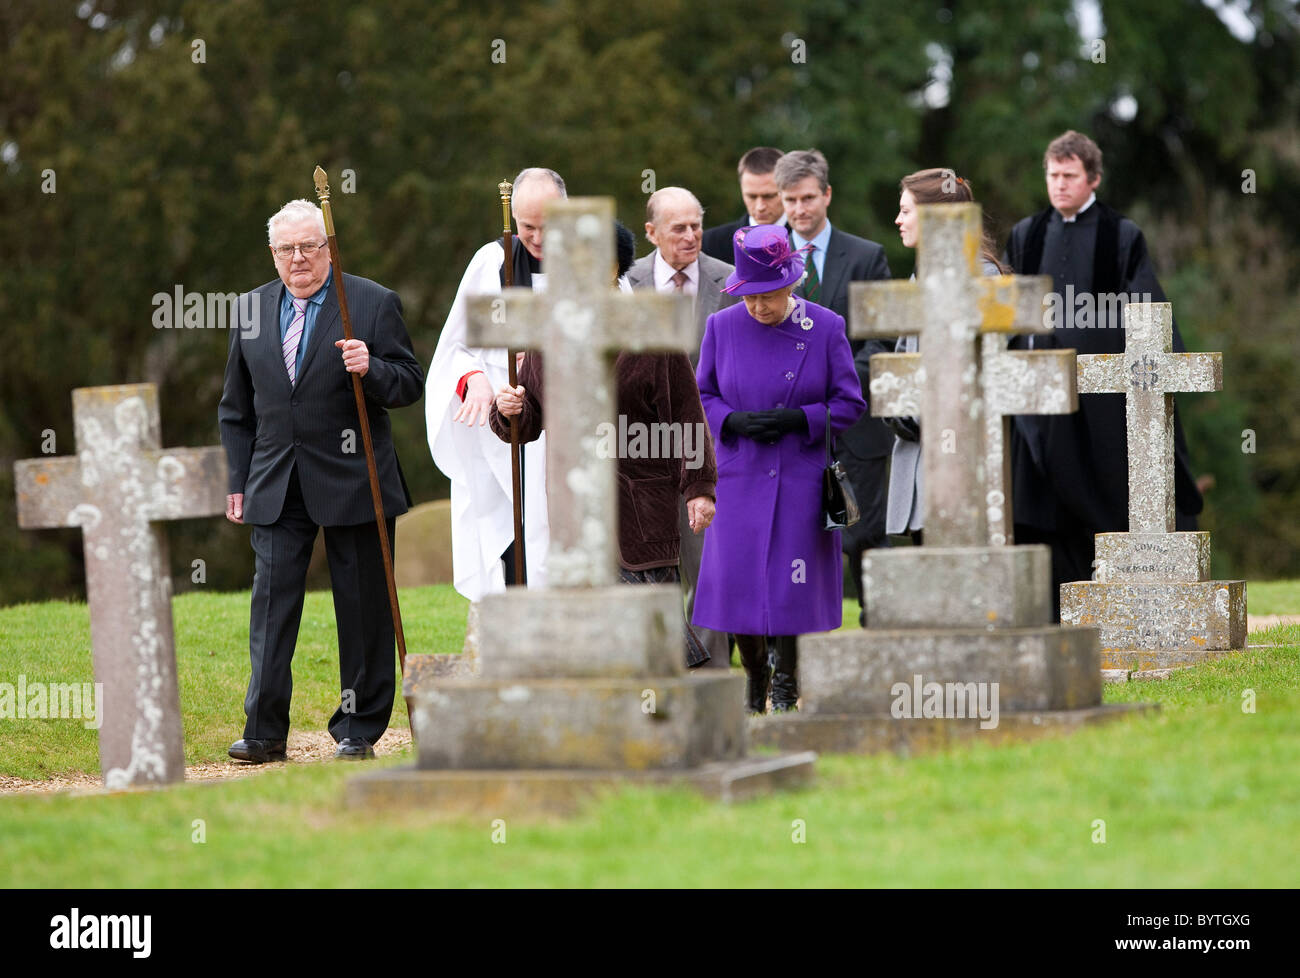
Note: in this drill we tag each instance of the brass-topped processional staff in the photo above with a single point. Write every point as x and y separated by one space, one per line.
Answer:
516 478
323 192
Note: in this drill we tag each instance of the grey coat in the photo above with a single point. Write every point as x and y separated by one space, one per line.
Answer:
904 509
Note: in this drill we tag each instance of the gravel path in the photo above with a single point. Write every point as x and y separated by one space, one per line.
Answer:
304 748
1255 622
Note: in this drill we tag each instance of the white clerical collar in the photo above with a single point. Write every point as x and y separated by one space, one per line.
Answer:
1092 199
664 273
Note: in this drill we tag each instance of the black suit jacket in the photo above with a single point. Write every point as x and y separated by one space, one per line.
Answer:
268 426
717 241
853 259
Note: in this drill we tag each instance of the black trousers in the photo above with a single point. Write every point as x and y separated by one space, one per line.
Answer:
870 480
1072 557
367 672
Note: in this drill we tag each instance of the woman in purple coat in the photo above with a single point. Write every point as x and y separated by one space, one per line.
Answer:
772 372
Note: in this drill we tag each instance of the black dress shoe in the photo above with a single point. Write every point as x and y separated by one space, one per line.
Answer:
258 751
355 749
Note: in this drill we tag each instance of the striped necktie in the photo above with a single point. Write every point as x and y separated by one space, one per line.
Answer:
812 284
293 337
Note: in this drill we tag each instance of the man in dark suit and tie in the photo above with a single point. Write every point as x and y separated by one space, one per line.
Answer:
674 220
833 260
762 202
289 424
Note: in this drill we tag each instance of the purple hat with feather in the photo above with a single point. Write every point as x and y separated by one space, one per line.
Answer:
765 261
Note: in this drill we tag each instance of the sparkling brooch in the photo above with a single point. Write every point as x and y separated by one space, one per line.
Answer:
806 323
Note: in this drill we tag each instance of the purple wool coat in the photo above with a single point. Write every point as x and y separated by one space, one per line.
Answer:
769 568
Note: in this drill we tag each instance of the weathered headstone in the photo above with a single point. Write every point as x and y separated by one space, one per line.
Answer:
961 642
581 684
1153 600
117 488
1012 382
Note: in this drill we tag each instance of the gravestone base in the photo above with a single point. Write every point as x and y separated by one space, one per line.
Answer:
1158 624
871 733
422 667
1157 663
564 791
1140 665
600 724
1181 556
1044 668
963 587
867 691
576 691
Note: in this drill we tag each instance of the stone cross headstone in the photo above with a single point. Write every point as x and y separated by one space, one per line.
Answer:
118 487
957 618
1153 599
581 683
948 306
1148 374
580 323
1013 382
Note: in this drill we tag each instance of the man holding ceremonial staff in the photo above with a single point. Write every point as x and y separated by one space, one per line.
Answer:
290 426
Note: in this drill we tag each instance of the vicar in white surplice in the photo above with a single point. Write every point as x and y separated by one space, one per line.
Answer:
462 386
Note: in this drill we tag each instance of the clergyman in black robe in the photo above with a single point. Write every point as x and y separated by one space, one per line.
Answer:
1070 471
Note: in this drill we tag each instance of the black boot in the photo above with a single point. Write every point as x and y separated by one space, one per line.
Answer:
785 679
758 673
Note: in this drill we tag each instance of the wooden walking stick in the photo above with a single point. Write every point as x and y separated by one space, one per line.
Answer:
323 192
516 479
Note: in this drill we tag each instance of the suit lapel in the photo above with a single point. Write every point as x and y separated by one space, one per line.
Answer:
269 330
708 295
835 269
639 273
326 320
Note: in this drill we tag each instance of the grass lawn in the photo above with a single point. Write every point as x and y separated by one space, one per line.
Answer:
1201 795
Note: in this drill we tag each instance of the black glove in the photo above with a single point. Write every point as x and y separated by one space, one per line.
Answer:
785 421
905 428
748 424
765 426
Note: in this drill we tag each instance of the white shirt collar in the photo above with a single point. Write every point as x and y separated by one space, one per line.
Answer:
664 275
780 222
1092 199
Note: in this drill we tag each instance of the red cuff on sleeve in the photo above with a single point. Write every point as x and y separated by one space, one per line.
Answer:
464 383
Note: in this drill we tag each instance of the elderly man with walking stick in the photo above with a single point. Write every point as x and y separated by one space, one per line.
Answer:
309 447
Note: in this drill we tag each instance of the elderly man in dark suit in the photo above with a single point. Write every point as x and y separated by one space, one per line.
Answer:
289 426
674 222
762 201
834 259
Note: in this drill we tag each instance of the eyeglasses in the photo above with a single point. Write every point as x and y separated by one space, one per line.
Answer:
285 251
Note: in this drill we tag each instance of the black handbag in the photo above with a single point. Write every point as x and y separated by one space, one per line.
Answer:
839 504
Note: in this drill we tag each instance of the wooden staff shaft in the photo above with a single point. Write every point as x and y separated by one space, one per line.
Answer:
516 478
322 190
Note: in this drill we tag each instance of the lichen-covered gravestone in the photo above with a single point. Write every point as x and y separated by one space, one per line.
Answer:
581 684
961 642
1011 382
117 488
1153 600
